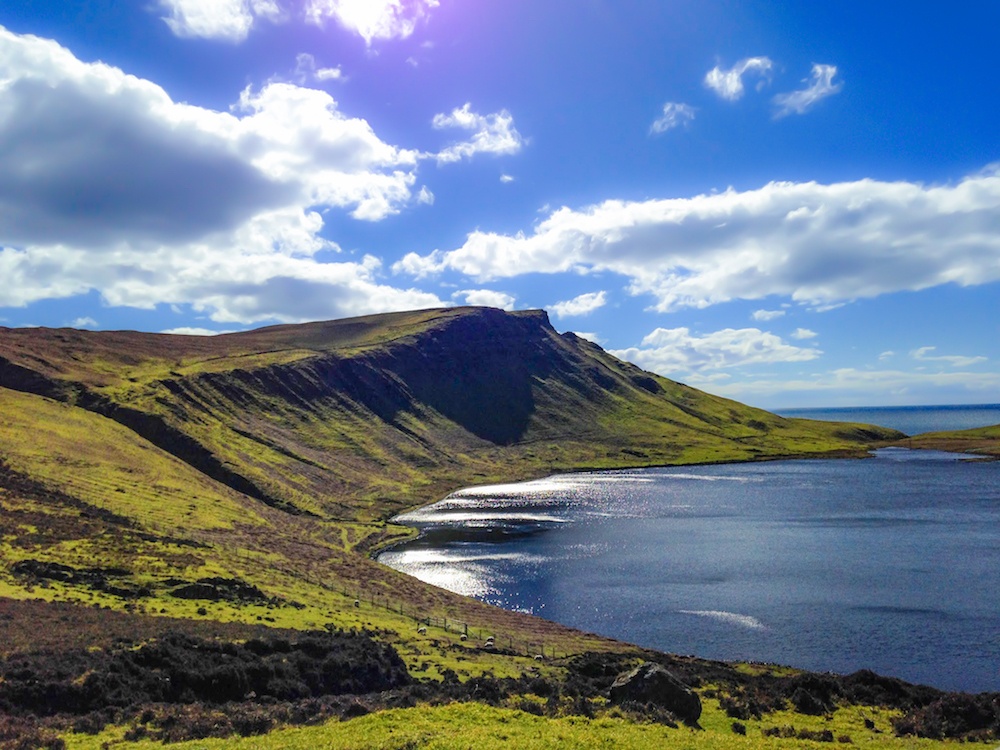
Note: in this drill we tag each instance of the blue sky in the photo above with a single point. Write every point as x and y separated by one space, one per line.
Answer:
791 204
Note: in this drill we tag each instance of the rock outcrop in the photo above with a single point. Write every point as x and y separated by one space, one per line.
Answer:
651 683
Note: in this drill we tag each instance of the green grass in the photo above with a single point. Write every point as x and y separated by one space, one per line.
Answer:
349 422
473 725
983 441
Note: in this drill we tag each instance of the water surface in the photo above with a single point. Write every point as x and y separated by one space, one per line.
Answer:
912 420
890 563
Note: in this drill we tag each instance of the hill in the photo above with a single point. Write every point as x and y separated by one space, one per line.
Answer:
983 441
246 478
358 419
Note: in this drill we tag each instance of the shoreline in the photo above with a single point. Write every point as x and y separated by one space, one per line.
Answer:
422 530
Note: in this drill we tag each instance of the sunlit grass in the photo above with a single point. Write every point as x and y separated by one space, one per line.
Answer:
352 457
473 725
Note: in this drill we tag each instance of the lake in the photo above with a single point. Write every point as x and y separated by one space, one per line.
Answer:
890 563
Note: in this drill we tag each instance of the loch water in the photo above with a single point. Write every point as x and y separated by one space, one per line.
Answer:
890 563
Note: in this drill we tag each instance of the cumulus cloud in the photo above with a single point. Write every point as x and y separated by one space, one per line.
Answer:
506 179
728 84
485 298
765 315
817 244
581 305
673 350
225 20
674 116
86 322
589 336
925 354
232 20
110 185
803 334
850 387
819 86
372 19
306 70
491 134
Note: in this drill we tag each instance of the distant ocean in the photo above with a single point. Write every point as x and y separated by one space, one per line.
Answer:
912 420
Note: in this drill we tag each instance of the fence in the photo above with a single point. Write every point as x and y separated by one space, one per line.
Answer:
483 637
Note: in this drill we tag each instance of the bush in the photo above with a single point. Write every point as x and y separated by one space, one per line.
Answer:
181 669
954 716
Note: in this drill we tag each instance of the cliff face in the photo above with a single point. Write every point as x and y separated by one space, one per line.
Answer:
359 419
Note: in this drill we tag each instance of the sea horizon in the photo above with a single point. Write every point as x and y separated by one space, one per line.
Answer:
912 420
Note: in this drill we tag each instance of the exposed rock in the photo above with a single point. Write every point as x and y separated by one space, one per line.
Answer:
651 683
222 589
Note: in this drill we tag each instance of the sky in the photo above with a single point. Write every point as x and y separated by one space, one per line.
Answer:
790 204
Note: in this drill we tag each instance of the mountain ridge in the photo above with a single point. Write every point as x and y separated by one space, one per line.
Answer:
474 381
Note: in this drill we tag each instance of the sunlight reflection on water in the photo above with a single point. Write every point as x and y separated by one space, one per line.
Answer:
826 565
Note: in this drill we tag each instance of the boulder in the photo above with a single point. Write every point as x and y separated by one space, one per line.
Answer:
651 683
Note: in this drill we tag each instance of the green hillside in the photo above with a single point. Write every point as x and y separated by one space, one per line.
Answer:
247 478
983 441
359 419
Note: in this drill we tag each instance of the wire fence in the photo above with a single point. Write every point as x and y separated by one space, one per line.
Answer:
478 636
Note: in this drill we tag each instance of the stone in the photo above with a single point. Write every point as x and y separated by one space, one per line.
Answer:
651 683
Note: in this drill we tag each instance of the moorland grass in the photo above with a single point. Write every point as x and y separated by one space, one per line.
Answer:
337 427
474 725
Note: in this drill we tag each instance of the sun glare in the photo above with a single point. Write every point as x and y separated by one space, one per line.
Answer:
374 19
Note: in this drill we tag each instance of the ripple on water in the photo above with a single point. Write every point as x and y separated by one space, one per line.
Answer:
731 618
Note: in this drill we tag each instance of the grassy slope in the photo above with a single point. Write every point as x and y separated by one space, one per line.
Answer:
359 419
461 726
343 424
984 441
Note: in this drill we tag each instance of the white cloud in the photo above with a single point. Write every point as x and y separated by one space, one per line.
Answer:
110 185
491 134
765 315
189 331
673 350
372 19
486 298
853 387
581 305
729 83
887 355
294 134
923 354
803 334
225 20
818 87
306 70
591 337
674 115
817 244
506 179
86 322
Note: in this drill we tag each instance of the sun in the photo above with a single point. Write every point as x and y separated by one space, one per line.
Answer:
374 19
